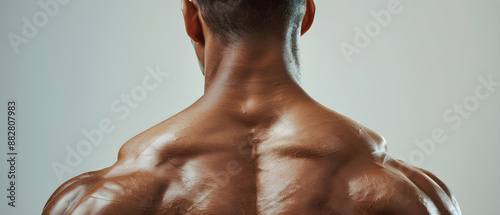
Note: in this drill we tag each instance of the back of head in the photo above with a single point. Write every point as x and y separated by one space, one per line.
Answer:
231 20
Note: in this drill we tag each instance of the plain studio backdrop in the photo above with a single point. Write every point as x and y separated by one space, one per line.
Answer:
419 78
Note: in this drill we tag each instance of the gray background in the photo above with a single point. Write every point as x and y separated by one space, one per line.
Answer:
426 60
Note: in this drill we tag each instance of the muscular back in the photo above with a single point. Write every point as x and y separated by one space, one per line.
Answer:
302 159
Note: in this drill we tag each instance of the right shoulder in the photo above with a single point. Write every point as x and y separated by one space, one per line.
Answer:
395 187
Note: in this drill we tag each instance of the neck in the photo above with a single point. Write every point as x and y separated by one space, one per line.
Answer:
251 67
253 78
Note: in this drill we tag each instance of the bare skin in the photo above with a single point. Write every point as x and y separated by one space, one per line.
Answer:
254 143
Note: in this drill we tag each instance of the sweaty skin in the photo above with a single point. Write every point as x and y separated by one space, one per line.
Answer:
254 143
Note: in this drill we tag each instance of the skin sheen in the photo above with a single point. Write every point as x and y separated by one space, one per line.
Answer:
254 143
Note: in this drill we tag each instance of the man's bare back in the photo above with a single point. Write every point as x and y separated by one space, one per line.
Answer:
255 143
295 159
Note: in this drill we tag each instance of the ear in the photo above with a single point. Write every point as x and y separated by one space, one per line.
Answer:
192 21
308 17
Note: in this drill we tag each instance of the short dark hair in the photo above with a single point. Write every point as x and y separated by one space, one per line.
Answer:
233 19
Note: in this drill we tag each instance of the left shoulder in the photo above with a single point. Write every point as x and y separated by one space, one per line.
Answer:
69 193
115 190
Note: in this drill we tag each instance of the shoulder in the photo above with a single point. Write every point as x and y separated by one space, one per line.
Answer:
378 184
321 120
69 193
131 183
394 187
110 191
